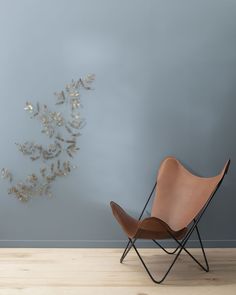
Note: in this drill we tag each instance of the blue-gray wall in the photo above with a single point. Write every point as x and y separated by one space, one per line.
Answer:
166 85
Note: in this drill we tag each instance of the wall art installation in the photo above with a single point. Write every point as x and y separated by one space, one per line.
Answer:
62 131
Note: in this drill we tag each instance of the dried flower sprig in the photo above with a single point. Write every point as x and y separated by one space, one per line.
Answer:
6 174
64 133
36 151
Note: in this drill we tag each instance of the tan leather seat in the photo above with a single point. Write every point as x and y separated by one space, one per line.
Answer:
150 228
179 197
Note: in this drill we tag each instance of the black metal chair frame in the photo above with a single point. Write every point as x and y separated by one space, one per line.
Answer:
181 244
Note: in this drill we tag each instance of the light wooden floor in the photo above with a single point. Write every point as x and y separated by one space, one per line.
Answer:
98 272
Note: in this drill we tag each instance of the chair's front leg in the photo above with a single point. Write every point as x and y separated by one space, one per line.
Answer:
182 245
147 270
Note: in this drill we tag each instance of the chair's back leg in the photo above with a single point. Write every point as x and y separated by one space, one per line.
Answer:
126 251
203 251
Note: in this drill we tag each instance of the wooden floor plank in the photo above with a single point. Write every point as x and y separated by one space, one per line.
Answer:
98 271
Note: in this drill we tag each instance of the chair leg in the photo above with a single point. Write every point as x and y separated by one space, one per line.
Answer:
203 267
146 268
126 251
203 251
182 245
179 245
128 248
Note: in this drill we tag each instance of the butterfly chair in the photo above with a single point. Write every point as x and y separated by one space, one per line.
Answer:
181 199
